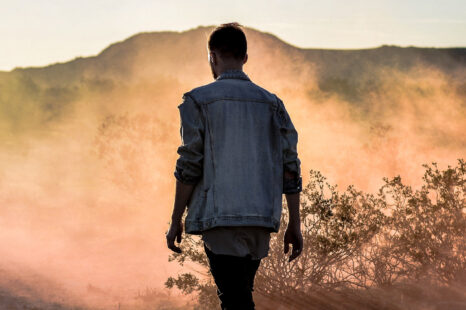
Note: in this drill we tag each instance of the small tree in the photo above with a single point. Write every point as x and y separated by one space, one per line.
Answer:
334 229
428 226
355 240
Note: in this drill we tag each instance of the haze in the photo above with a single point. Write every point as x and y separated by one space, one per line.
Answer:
89 147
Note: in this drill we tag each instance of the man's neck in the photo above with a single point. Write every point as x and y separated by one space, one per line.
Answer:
230 68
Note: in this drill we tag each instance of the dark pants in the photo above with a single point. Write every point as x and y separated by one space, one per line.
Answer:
234 277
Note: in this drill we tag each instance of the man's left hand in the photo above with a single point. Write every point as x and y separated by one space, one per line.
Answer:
174 232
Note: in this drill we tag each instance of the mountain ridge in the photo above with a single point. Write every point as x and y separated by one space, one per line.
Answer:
168 63
454 51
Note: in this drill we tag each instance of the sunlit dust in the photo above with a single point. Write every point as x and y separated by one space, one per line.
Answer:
89 148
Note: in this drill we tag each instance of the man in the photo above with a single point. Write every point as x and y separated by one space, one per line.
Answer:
238 156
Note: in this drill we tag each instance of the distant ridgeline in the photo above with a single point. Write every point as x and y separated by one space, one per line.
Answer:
173 62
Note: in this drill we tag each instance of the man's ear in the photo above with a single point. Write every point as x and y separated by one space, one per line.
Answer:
213 58
245 58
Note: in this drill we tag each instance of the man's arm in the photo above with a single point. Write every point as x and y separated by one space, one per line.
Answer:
189 166
292 182
293 233
182 196
292 201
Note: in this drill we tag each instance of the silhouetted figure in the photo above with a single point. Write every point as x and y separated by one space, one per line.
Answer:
238 156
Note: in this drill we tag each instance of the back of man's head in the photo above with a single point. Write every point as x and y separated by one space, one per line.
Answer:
229 41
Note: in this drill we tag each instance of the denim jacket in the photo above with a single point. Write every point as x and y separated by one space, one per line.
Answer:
237 140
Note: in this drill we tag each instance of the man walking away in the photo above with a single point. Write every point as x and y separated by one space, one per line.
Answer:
238 156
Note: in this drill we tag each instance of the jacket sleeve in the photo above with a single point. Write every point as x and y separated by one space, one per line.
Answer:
189 165
291 161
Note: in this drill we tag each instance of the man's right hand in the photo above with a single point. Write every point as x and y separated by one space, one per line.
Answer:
174 232
294 236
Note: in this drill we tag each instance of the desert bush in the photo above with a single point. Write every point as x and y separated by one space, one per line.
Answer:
356 242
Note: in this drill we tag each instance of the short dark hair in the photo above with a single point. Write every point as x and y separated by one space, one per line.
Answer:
229 40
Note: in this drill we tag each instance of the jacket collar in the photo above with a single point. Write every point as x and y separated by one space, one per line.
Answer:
233 74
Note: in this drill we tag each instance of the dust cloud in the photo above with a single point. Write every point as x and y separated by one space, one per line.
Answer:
87 187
